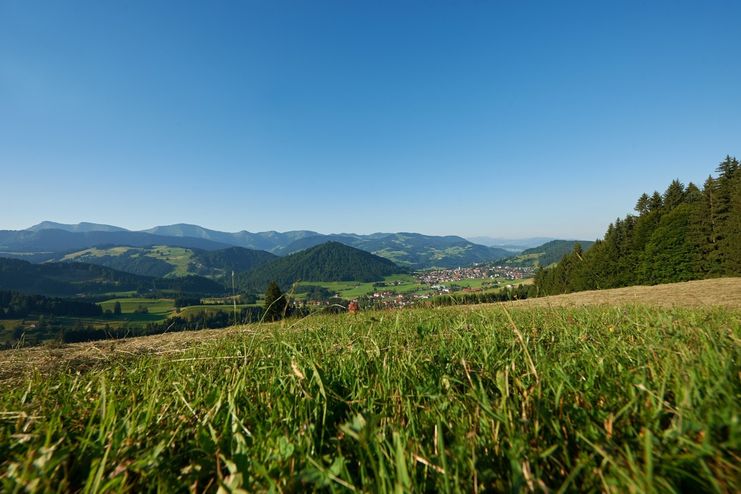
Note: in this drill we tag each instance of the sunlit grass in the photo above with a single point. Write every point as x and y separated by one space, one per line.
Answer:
454 399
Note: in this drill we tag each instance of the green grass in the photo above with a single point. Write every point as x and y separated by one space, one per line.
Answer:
97 252
433 400
487 282
197 309
355 289
407 285
158 306
178 257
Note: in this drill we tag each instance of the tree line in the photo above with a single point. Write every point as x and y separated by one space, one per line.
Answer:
14 305
684 234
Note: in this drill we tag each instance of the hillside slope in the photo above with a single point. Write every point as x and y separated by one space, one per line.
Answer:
168 261
64 279
546 254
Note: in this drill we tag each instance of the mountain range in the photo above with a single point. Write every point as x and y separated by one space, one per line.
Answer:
93 259
47 240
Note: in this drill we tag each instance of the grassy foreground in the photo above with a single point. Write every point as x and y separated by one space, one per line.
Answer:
455 399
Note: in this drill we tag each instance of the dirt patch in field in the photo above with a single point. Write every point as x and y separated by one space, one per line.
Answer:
719 292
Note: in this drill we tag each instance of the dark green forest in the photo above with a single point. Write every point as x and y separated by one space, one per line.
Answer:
331 261
684 234
15 305
69 279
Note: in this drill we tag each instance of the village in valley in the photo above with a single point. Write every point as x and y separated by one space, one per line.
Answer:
420 287
438 278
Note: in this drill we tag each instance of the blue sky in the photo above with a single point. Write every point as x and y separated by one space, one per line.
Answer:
508 119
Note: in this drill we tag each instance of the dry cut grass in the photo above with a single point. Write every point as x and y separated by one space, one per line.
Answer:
717 292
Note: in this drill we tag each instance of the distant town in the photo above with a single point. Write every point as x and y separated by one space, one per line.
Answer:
440 277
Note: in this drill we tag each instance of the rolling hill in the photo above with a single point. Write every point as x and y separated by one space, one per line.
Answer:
167 261
330 261
64 279
546 254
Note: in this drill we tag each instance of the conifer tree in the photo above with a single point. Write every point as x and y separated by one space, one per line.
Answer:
643 204
674 195
275 302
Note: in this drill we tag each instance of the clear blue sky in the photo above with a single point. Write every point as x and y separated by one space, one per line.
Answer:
507 119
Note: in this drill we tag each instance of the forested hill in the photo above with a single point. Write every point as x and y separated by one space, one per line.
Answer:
546 254
331 261
686 233
71 279
15 305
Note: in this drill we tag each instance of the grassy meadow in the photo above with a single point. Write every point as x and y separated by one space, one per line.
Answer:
157 306
626 398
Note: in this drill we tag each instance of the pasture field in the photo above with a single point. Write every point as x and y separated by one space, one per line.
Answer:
177 256
159 306
211 308
400 284
500 397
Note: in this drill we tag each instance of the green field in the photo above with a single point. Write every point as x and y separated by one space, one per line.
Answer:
159 306
353 289
194 309
400 283
462 399
177 256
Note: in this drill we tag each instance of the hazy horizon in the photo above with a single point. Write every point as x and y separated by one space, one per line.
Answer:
478 119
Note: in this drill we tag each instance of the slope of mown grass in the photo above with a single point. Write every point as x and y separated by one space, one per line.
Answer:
601 398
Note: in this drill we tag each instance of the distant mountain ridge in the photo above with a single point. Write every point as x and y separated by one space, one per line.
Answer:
269 241
54 240
511 244
413 250
79 227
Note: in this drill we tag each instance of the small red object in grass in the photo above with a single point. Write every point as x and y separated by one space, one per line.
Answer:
353 307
